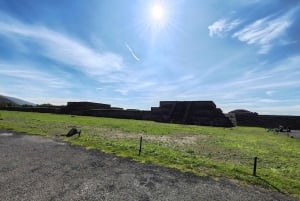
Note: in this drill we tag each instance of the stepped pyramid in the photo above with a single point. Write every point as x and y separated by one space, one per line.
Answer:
190 112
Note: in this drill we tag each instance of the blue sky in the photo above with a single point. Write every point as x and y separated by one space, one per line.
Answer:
238 53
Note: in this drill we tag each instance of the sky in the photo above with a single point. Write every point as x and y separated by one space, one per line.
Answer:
241 54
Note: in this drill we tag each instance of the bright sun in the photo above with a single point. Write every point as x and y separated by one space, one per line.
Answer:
158 16
157 12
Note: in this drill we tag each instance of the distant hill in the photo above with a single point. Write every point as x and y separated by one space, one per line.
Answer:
7 100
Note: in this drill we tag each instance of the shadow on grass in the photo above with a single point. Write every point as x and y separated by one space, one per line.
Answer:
263 181
269 184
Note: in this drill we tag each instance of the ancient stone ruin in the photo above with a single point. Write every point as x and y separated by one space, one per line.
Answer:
80 108
190 112
248 118
180 112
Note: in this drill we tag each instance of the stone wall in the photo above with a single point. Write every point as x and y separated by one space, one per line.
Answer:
268 121
182 112
123 114
78 108
33 109
104 110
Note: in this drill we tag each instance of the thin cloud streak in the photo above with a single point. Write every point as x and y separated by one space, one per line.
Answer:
132 52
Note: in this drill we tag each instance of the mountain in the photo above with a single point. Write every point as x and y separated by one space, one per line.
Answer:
5 100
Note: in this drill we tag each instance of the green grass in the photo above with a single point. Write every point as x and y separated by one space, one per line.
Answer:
204 151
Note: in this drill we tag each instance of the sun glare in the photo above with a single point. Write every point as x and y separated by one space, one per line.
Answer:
157 18
157 12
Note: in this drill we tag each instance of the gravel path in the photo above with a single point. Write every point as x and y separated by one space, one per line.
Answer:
295 134
38 168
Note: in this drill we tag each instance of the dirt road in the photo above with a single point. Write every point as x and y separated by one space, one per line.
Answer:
38 168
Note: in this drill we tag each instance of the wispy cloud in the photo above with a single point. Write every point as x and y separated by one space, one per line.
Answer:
132 52
63 48
263 32
31 75
268 107
270 92
222 27
261 87
124 92
290 64
134 85
268 100
290 109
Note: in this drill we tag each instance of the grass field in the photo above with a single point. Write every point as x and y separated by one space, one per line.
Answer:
204 151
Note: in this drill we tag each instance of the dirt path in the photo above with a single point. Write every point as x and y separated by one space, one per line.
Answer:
38 168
